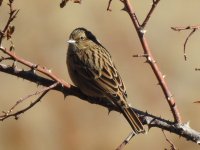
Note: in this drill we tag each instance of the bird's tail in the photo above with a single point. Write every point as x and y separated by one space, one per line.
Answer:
133 120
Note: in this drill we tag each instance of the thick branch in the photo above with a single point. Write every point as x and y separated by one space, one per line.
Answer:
152 121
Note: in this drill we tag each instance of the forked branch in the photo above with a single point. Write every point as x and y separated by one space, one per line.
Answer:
150 59
193 30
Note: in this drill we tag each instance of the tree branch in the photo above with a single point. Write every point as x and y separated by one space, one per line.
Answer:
150 59
52 82
153 6
34 67
152 121
193 28
7 114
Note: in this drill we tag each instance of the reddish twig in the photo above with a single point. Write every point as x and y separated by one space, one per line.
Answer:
185 43
154 4
185 28
173 147
12 15
38 68
7 114
150 59
193 28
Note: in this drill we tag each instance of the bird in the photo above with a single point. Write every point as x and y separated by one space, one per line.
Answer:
92 70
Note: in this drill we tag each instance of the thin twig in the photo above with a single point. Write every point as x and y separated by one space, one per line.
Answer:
185 43
153 6
185 28
38 68
5 58
193 28
128 138
150 59
173 147
12 16
7 114
109 5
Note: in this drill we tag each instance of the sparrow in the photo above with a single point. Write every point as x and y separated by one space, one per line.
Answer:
91 69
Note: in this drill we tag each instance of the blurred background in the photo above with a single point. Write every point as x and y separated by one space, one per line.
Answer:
42 29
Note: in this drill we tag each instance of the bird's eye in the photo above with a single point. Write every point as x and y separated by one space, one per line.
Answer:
82 38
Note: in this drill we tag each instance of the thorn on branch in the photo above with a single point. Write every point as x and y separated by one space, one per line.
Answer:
16 117
49 70
124 9
11 1
185 43
150 60
164 76
169 98
33 68
141 55
44 91
109 111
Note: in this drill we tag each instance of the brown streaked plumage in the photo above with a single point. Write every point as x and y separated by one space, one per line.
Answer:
91 68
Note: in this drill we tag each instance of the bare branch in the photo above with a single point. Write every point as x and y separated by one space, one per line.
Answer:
43 70
186 28
150 59
185 43
193 28
12 15
152 121
153 6
9 113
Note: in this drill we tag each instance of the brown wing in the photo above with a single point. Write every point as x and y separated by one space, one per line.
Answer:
103 75
103 79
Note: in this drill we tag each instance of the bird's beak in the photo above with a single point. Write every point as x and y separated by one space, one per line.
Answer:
71 41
